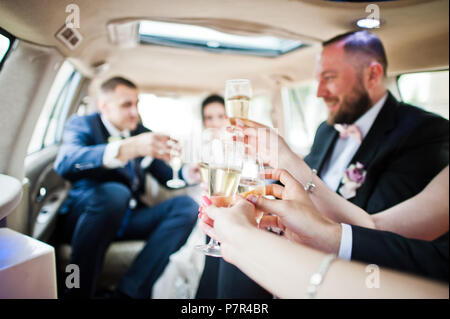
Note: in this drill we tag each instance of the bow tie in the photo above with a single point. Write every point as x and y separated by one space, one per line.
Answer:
349 131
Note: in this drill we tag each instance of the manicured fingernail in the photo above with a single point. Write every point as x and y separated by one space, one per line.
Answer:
252 198
206 201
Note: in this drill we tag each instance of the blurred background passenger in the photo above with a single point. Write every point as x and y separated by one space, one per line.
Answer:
213 112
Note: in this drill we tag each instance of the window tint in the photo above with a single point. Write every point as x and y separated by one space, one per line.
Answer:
303 113
428 90
49 127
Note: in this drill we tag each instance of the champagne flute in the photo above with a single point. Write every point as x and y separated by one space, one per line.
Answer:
204 154
238 93
225 165
175 163
252 180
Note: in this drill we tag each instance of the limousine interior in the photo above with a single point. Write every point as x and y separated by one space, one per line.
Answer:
54 54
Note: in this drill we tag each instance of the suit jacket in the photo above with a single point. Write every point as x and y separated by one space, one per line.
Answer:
425 258
405 148
80 159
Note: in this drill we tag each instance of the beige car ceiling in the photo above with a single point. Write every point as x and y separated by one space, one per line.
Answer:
415 33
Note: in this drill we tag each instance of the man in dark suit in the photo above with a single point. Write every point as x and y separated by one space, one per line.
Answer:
105 157
398 147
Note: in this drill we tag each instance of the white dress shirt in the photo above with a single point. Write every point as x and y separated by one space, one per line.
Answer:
110 159
335 166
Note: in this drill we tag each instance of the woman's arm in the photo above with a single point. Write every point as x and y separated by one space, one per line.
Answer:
285 268
406 219
424 216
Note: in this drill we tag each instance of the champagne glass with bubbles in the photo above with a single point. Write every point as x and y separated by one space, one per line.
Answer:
238 93
225 165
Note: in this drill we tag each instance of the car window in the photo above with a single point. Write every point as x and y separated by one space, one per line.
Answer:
4 46
181 116
6 42
48 130
428 90
303 113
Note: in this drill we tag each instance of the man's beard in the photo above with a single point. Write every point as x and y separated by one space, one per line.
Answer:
352 108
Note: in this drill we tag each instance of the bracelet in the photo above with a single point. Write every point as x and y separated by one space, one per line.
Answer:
317 278
310 186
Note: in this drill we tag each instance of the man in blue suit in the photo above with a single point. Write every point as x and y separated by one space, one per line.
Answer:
105 157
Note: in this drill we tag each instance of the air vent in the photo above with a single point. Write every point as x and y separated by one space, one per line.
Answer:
70 37
124 35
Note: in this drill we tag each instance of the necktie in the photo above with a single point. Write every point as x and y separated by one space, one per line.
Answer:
351 131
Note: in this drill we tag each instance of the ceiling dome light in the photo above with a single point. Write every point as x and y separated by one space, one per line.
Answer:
213 44
368 23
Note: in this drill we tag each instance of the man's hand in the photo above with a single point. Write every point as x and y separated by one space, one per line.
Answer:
145 144
296 215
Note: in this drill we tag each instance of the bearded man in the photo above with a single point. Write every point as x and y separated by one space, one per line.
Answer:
373 150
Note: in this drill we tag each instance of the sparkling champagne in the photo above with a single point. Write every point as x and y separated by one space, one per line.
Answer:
223 184
237 107
252 186
204 172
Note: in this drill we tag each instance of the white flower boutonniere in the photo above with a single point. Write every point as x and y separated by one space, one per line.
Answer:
112 139
354 177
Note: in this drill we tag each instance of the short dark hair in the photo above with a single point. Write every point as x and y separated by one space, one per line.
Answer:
111 84
362 42
213 98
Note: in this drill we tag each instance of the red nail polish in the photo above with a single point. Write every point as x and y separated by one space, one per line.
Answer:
252 198
206 201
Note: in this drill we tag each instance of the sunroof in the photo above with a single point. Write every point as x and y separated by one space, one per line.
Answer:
191 36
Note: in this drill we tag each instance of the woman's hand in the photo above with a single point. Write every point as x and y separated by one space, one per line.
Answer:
228 225
296 215
267 143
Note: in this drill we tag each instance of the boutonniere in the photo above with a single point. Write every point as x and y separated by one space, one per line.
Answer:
354 177
112 139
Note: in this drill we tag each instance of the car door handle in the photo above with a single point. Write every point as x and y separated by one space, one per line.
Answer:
41 195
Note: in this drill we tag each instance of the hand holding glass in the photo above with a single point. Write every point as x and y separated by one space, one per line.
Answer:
225 165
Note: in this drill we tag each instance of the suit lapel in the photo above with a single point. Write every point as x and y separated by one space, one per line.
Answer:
325 146
384 123
100 132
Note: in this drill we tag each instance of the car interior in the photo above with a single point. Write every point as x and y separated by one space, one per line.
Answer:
54 55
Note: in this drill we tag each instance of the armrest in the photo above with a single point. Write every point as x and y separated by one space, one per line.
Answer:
10 194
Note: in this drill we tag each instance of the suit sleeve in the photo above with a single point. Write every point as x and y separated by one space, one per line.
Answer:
386 249
158 168
418 159
78 157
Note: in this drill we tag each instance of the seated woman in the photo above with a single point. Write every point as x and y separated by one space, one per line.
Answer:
189 272
213 112
242 243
